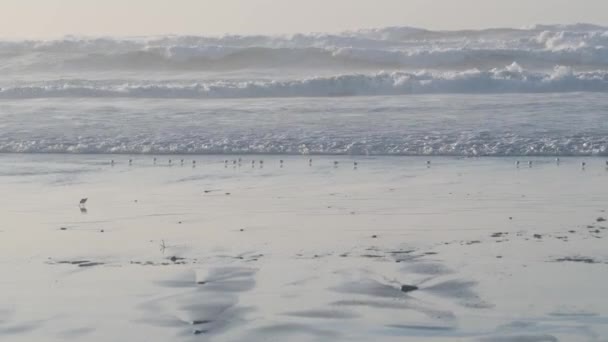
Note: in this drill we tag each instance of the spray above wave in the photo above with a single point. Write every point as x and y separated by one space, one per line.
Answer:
512 79
394 47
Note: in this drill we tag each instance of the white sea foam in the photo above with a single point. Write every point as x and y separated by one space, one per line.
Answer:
511 79
459 125
397 47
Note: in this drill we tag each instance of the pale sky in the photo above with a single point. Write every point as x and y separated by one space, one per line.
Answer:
54 18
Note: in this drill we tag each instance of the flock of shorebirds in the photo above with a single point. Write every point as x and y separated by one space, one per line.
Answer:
239 162
557 161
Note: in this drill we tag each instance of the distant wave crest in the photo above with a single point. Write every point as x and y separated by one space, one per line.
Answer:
394 47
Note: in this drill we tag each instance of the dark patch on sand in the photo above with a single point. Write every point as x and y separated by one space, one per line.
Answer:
421 327
79 263
176 259
521 338
578 259
372 256
19 328
498 235
229 279
377 304
408 288
573 314
370 287
323 314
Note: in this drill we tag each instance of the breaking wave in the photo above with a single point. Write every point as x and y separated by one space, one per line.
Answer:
394 47
511 79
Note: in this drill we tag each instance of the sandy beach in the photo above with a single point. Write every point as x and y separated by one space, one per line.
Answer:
391 250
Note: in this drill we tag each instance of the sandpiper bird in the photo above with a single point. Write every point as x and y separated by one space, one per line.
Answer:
193 163
557 160
130 161
169 161
155 161
530 163
583 164
182 162
517 163
336 163
83 202
428 162
112 162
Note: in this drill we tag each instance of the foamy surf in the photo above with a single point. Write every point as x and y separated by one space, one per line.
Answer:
584 46
511 79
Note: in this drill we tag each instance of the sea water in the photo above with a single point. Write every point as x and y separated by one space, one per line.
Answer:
393 91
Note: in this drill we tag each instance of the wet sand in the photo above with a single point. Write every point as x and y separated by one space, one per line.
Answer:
390 250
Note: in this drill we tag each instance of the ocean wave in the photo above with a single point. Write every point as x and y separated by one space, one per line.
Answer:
511 79
397 47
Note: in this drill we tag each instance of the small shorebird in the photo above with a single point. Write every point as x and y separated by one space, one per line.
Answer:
336 163
310 161
355 165
194 163
112 162
530 163
83 202
182 162
155 161
557 160
169 161
583 165
130 161
517 163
